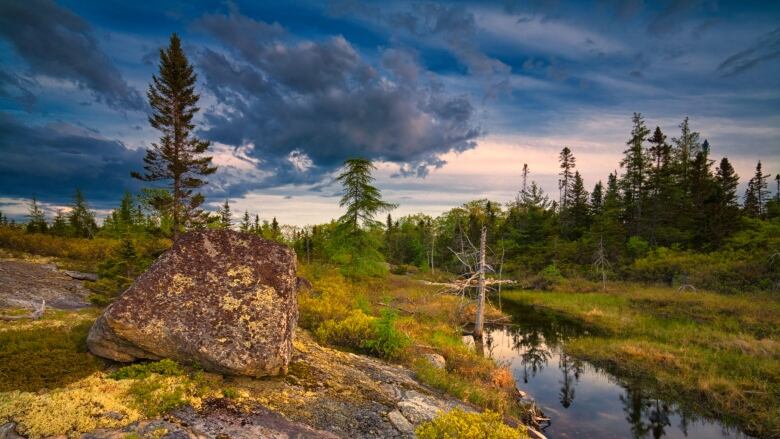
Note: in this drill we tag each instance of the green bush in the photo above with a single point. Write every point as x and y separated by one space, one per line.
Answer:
459 424
388 342
350 332
364 333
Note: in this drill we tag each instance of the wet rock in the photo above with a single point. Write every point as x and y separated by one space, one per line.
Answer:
436 360
221 299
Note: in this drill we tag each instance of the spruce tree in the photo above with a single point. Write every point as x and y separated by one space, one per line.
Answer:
225 217
246 223
59 227
81 220
703 193
362 200
597 198
634 180
726 212
660 189
567 165
36 222
756 194
256 226
578 211
178 158
355 247
275 229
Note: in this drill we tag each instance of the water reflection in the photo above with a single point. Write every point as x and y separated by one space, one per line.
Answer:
584 401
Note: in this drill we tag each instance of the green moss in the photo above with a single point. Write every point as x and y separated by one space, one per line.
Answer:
144 370
47 353
459 424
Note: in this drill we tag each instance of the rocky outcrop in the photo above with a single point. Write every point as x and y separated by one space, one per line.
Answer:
221 299
219 418
326 394
23 284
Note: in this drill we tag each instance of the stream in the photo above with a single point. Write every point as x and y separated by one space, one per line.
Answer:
581 400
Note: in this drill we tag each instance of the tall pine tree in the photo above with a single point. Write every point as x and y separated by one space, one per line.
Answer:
567 165
178 158
726 210
634 180
756 194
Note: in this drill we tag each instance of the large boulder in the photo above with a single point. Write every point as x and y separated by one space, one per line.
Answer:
221 299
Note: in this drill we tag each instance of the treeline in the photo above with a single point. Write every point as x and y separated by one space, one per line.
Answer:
670 214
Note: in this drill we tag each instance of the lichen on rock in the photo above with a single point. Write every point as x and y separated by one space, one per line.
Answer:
221 299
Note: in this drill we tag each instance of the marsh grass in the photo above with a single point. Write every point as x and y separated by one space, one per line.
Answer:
718 354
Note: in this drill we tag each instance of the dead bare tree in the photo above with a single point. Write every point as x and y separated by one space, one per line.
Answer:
480 318
36 314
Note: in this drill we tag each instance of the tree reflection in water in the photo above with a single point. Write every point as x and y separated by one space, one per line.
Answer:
608 406
571 369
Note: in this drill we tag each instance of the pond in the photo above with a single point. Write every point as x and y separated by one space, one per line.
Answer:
581 400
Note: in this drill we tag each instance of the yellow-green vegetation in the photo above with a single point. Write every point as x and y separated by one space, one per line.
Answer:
46 353
103 400
718 354
401 318
92 402
80 252
457 424
51 385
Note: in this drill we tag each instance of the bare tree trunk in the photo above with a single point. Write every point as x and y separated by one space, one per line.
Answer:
500 276
433 246
480 320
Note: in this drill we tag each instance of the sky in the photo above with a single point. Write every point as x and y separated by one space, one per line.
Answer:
449 99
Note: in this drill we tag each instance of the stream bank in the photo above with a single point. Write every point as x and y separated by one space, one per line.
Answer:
582 398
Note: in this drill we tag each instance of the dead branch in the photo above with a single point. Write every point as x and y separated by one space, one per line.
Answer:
36 314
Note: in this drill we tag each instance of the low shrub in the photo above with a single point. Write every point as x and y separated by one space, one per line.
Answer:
388 341
350 332
458 424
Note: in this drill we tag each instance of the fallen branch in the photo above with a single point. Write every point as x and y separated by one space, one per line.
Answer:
460 284
36 314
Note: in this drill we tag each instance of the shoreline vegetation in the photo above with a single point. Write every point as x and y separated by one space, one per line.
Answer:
716 354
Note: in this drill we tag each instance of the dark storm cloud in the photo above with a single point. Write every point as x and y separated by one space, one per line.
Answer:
16 88
766 48
308 106
55 159
57 43
451 26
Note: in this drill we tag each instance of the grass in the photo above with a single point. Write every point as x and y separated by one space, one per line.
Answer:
341 313
717 354
46 353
